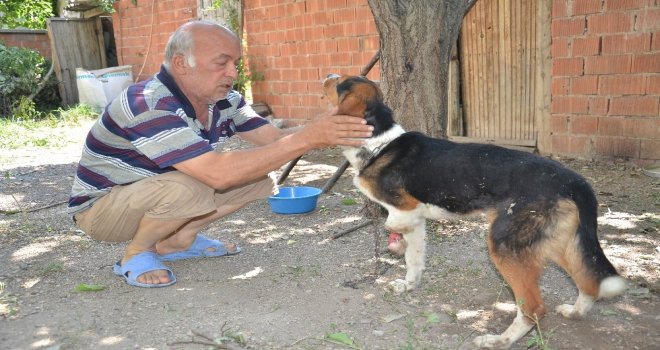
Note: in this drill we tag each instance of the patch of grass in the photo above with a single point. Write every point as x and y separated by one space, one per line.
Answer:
37 130
51 268
8 303
348 201
295 271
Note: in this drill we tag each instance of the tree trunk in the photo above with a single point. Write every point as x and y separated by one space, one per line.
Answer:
416 38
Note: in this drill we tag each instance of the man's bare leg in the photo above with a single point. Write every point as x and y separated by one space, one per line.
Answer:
168 236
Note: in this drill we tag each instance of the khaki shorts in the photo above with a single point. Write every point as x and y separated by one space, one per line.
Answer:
170 196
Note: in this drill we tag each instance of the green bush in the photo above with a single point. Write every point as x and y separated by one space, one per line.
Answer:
21 71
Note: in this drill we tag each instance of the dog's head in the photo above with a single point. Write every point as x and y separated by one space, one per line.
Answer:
359 97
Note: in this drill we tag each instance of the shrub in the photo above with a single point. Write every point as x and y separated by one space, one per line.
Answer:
21 71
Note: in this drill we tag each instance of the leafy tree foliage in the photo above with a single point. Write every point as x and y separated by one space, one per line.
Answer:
26 14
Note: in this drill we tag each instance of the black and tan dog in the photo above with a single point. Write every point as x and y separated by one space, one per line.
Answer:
538 210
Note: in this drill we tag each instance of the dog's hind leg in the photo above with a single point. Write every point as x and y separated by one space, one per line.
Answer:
522 273
568 252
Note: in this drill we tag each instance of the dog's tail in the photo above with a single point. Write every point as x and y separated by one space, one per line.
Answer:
610 284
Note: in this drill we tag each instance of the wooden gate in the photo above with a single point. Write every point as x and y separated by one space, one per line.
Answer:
502 55
76 43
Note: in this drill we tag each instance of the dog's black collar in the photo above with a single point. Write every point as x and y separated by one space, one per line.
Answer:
369 155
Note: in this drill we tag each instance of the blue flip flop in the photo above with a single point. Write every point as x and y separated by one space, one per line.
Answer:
139 264
200 249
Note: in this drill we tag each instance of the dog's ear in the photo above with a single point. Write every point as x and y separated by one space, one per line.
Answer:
350 104
354 93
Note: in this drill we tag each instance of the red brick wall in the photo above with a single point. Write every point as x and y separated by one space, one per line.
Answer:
297 43
605 62
142 31
606 79
31 39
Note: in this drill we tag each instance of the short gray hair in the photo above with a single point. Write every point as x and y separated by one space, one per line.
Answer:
181 42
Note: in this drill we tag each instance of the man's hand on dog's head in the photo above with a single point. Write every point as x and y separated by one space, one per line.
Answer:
332 129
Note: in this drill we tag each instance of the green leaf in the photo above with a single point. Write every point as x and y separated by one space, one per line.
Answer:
83 287
340 338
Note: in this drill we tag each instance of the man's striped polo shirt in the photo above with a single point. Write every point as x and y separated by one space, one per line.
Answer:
147 129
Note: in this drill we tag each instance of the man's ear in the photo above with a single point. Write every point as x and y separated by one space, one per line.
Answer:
179 64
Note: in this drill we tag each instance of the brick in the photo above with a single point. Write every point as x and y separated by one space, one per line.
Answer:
559 8
624 84
617 147
611 5
635 105
344 15
569 104
580 145
653 85
583 7
568 27
584 124
610 126
560 47
558 124
648 20
560 144
649 149
364 12
587 46
335 4
626 43
647 63
655 42
599 105
334 31
607 64
341 59
584 85
642 127
560 86
567 66
616 22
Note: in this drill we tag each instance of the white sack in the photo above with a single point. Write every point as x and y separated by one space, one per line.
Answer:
96 88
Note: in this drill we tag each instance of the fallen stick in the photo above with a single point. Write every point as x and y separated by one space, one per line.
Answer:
349 230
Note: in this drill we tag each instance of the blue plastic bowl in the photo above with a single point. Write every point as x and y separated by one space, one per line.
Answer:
294 200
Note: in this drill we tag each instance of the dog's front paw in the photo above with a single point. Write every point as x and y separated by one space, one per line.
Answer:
491 341
399 286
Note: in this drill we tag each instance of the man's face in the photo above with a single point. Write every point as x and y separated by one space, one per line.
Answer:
216 57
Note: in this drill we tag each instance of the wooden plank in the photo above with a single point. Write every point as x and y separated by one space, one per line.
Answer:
455 116
542 76
497 141
77 43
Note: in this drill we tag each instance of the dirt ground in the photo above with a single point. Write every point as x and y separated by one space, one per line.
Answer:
294 288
